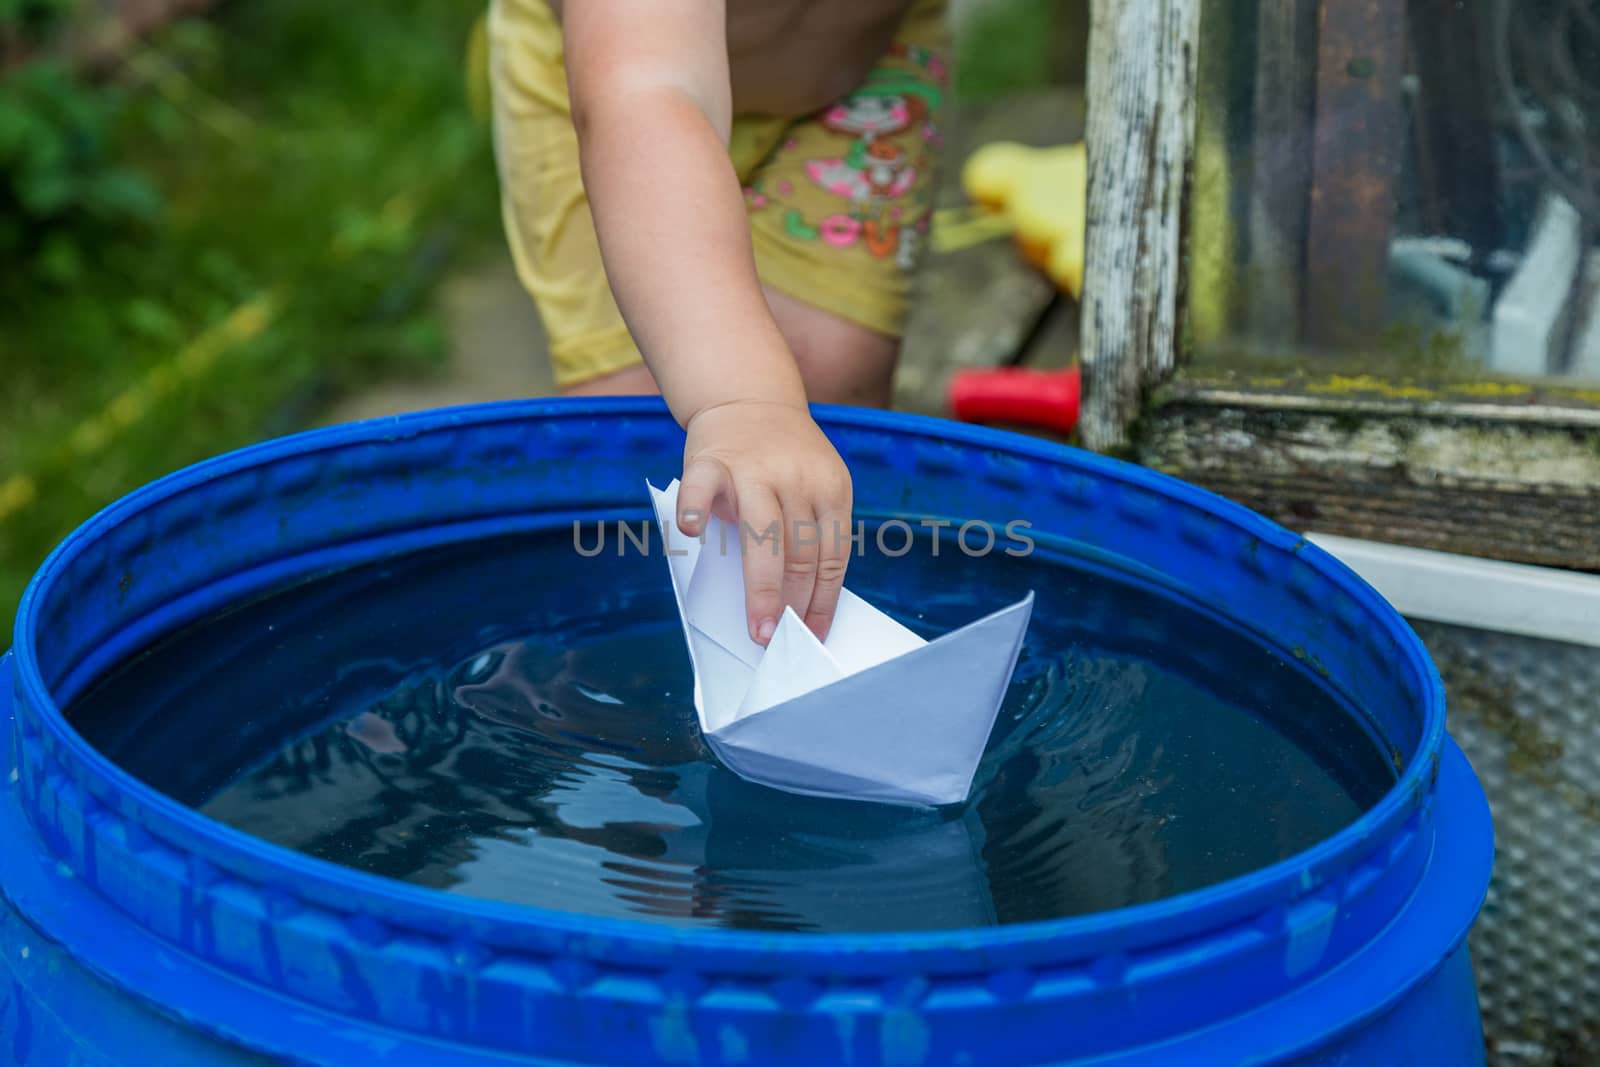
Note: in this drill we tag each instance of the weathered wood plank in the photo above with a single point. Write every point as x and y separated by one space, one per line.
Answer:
1355 148
1458 159
1142 63
975 307
1280 168
1491 476
1214 232
1054 344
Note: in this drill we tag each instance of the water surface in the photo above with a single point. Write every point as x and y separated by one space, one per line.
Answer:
510 720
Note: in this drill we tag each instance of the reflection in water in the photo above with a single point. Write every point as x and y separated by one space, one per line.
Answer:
456 725
561 777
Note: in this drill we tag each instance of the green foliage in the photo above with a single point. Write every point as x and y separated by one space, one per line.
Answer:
320 153
61 189
1004 46
32 18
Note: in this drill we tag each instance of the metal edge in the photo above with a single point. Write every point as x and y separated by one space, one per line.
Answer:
1483 594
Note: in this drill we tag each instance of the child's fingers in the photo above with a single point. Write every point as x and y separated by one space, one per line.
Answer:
703 481
833 557
761 541
800 552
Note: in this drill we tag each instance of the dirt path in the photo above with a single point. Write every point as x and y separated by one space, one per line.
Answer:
497 348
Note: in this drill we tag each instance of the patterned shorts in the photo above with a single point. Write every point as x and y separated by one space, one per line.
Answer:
839 201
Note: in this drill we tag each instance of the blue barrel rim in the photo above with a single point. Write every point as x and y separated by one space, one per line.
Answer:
1196 910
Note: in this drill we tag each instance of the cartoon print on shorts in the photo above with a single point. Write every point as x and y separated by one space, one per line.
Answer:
877 173
869 116
874 169
925 58
871 171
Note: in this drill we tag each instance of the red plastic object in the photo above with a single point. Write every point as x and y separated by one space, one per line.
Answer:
1044 398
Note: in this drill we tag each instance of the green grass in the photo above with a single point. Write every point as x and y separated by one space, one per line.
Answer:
317 164
1008 45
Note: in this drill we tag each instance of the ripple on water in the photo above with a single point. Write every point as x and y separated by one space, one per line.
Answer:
461 719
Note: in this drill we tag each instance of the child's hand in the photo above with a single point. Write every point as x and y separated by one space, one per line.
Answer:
765 466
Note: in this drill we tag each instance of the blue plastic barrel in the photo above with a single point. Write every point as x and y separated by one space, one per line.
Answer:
134 930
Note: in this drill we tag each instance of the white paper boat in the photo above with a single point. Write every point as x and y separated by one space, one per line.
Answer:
874 713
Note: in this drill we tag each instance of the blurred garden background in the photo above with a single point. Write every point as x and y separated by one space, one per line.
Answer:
226 221
210 226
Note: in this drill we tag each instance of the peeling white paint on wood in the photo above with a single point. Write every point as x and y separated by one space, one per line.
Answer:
1142 65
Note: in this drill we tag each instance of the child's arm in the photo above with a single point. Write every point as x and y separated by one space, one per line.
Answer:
652 103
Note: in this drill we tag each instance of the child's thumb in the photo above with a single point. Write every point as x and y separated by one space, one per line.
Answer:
704 480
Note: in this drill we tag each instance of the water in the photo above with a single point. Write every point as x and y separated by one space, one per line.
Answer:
511 721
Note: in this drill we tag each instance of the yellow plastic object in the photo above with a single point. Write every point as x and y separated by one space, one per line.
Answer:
1043 192
955 228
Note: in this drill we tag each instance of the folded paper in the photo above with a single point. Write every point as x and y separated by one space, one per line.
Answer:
872 713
